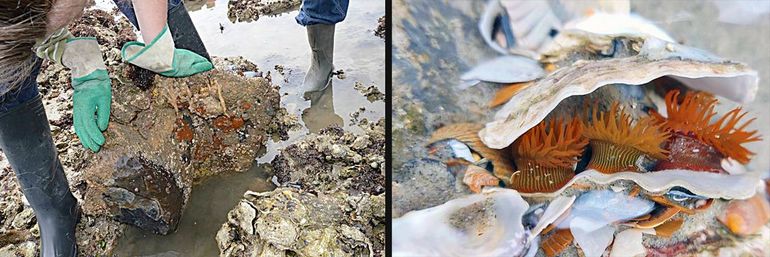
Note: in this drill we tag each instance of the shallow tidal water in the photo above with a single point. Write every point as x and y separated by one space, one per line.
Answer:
268 42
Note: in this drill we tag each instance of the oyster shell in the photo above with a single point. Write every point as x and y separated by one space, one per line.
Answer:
711 185
503 69
556 208
463 138
486 224
642 60
629 243
591 222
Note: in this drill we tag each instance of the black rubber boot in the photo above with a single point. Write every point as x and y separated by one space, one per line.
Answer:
183 31
25 138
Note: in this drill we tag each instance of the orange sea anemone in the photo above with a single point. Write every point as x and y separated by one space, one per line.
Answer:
617 143
692 117
545 154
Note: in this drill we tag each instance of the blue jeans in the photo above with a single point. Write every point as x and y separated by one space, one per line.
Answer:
127 9
23 93
322 12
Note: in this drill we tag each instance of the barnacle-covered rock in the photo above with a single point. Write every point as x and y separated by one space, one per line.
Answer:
172 126
318 163
294 223
251 10
330 200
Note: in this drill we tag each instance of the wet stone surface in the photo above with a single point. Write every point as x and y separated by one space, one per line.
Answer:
426 73
144 195
371 92
424 183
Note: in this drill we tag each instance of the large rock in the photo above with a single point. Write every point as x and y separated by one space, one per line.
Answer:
165 135
186 130
177 131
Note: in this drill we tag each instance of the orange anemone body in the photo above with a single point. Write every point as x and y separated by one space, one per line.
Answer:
545 154
617 143
692 117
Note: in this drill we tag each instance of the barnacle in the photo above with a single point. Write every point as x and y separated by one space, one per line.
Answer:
545 154
552 144
692 117
746 217
617 143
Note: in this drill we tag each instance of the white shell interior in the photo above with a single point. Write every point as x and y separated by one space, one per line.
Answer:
497 232
503 69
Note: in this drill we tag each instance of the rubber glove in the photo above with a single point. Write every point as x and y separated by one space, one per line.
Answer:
162 57
90 81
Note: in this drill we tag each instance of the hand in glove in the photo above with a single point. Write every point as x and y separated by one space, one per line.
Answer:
162 57
90 80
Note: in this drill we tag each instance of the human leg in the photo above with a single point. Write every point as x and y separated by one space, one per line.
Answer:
179 24
320 17
25 139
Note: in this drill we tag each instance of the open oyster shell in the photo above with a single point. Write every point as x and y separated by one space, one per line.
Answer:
590 61
486 224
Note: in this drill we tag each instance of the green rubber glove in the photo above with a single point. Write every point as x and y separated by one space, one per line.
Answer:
162 57
90 81
93 95
187 63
